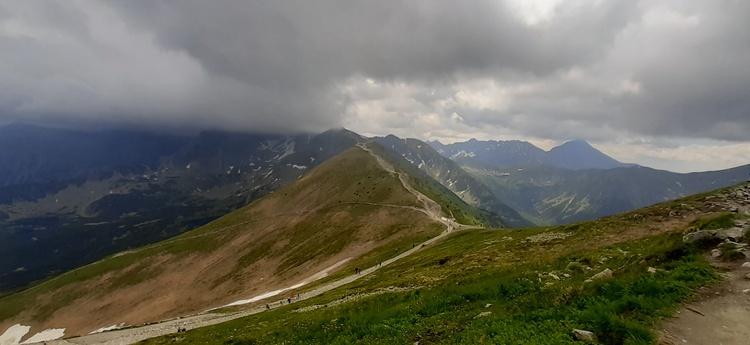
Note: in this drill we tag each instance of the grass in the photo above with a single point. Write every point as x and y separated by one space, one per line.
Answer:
720 221
316 217
447 287
450 203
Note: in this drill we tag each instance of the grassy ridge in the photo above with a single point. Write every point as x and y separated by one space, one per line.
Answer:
450 203
345 202
533 283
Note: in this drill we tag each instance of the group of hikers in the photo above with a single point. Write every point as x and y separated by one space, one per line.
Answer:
358 270
293 296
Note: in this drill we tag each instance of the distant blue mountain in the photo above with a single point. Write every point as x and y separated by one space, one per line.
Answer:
579 155
574 155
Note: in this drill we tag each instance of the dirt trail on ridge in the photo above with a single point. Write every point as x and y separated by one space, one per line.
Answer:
136 334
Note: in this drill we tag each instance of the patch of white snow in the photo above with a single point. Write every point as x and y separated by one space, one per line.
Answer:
46 335
108 328
13 334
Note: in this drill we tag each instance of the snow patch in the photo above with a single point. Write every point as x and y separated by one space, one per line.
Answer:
463 153
108 328
46 335
319 275
14 334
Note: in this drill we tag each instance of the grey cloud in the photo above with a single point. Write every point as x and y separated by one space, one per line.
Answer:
295 65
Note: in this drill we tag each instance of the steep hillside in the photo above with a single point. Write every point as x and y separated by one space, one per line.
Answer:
618 278
113 191
32 154
453 177
558 196
340 211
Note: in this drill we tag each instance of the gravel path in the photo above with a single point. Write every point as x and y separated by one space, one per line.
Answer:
136 334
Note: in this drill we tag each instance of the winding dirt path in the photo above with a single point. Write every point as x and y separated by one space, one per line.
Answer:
136 334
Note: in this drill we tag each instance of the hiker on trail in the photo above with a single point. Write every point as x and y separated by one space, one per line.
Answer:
289 300
268 306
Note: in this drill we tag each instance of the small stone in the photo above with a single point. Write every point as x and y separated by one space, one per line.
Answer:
483 314
651 270
715 253
488 305
607 273
747 276
554 276
746 264
746 291
582 335
566 275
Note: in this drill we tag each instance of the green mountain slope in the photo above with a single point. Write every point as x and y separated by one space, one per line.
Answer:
348 208
551 195
526 286
453 177
451 204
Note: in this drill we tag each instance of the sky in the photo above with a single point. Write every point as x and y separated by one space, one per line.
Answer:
664 84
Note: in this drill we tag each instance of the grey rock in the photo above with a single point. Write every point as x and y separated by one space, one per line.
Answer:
734 234
607 273
582 335
696 236
483 314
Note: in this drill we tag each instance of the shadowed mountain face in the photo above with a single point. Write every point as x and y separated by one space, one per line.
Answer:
31 154
453 177
68 198
574 181
552 195
346 208
574 155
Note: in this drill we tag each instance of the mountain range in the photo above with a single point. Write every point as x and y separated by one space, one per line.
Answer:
573 155
574 181
68 198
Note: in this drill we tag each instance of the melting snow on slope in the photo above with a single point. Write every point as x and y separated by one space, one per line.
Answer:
463 153
46 335
14 334
109 328
314 277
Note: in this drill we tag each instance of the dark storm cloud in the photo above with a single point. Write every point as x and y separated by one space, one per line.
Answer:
589 70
